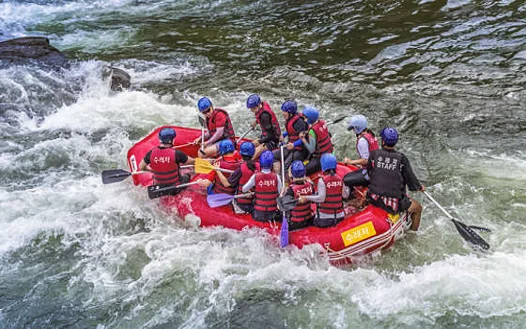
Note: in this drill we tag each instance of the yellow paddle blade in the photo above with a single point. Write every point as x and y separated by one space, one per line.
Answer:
203 166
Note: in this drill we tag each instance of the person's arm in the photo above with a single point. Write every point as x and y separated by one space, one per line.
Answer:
322 193
412 182
144 165
311 143
363 153
250 184
216 136
222 178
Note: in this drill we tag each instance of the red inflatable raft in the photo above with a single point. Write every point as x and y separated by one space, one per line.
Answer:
361 232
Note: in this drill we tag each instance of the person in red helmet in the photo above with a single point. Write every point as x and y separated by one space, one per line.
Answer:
164 162
218 125
389 174
267 121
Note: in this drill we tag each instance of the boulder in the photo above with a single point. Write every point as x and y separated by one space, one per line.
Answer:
26 49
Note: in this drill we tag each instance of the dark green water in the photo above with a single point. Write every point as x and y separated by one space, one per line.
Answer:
449 75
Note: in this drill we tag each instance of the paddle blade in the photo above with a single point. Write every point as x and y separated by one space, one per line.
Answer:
114 175
218 200
284 234
203 166
469 235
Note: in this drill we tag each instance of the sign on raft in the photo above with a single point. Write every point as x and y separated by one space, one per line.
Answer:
358 233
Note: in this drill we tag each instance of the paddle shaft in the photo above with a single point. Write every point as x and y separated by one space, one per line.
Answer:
438 205
246 133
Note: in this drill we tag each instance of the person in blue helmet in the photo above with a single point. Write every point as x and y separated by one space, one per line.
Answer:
164 161
330 194
267 121
241 175
301 215
390 174
267 187
218 128
318 141
366 142
227 161
295 125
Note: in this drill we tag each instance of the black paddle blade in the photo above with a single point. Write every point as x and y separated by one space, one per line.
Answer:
114 175
469 235
156 191
287 203
480 228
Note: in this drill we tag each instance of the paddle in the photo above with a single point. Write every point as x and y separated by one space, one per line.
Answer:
246 133
202 166
202 123
464 230
222 199
117 175
284 234
336 120
156 191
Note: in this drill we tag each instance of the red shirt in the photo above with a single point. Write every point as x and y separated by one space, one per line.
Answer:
212 175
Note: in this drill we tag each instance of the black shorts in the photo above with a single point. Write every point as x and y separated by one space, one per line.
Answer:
271 145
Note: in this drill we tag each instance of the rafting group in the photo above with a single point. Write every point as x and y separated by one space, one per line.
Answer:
278 164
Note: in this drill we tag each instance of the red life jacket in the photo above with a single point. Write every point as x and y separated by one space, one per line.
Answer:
246 173
323 139
301 212
218 186
275 124
293 134
266 192
164 167
228 132
373 142
333 203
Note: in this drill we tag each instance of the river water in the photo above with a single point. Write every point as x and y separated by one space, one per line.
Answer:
449 75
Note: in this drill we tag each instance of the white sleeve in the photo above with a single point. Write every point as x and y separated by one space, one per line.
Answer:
363 148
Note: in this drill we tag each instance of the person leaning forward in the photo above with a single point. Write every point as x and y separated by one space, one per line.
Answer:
295 125
164 162
218 125
267 121
390 173
227 161
318 141
241 175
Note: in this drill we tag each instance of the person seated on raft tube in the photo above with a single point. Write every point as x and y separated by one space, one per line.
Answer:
219 127
295 124
267 121
241 175
389 174
301 215
331 192
164 162
366 142
267 187
227 161
318 142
